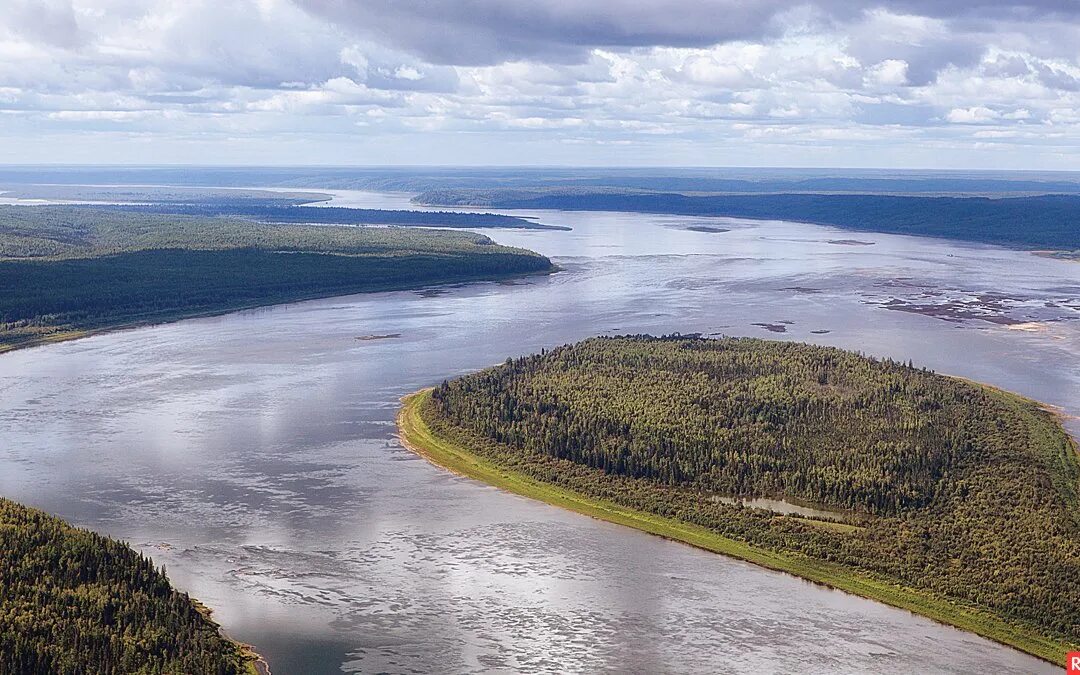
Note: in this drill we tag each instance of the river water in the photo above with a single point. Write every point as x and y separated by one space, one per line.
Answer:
254 454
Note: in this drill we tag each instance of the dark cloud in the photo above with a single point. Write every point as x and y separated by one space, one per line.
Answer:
480 32
1007 66
925 55
477 32
1010 9
895 73
49 21
1056 78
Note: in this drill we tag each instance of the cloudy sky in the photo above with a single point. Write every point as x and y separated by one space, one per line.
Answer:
861 83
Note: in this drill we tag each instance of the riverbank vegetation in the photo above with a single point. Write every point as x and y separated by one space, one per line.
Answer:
965 496
259 205
275 212
66 270
74 602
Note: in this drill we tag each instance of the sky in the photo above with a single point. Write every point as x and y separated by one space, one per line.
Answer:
836 83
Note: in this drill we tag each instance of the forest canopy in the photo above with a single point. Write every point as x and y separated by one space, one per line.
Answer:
259 205
73 602
65 268
961 492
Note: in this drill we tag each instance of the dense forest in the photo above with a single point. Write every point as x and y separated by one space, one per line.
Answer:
954 489
1045 221
275 212
75 603
68 268
259 205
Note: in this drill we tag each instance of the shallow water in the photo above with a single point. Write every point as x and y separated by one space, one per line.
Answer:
254 453
784 506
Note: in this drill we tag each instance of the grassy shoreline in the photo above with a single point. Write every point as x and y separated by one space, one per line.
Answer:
416 435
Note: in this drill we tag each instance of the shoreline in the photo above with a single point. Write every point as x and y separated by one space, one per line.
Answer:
166 317
1055 254
416 435
257 664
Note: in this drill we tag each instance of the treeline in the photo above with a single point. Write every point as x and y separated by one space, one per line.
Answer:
732 418
70 268
1046 221
261 205
964 492
273 211
71 231
75 603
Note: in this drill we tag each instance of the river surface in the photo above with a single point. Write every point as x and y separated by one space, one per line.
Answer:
254 454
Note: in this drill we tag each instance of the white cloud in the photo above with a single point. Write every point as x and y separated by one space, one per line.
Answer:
829 75
973 115
887 73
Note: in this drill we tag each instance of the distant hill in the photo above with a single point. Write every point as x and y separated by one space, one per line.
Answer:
662 179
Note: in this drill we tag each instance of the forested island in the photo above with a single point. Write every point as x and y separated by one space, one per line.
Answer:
265 206
275 212
66 270
74 602
1049 221
942 496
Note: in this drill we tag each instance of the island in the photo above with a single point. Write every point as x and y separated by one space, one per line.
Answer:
76 602
259 205
931 493
67 271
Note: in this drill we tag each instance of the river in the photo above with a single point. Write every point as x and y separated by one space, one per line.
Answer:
254 454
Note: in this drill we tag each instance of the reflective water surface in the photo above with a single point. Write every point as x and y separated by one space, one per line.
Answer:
254 453
786 507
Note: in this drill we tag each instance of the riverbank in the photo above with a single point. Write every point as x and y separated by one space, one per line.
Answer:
77 601
1049 220
254 661
158 318
416 434
120 269
256 664
1071 255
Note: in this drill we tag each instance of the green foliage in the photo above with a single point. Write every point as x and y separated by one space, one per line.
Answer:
81 231
73 602
70 268
964 492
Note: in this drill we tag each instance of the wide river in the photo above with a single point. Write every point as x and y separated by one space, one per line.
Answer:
254 453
